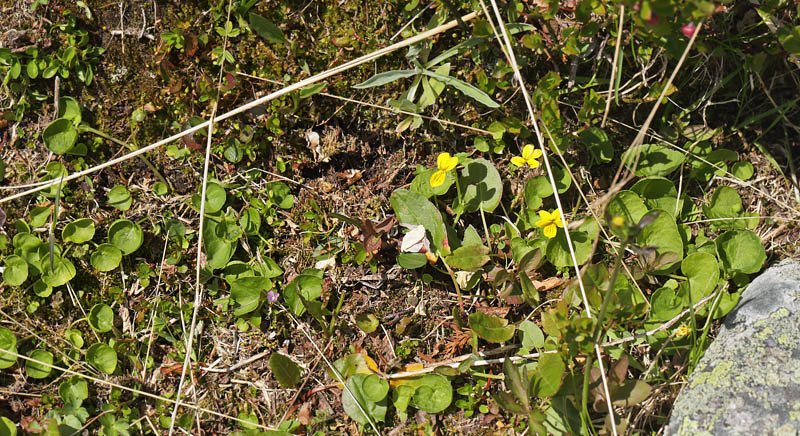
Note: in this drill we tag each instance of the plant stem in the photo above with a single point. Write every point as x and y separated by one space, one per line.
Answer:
131 147
455 283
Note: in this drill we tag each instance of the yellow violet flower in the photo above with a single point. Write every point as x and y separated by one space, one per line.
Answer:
682 331
548 221
445 163
529 156
618 221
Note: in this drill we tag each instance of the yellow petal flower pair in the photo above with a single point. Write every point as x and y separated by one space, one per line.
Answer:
529 156
445 163
550 222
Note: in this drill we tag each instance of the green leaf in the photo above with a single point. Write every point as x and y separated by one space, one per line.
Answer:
16 270
310 90
532 336
160 188
60 136
266 29
528 289
482 186
126 235
468 90
654 159
78 231
39 216
663 234
307 284
102 357
101 317
422 183
218 250
367 322
7 427
69 108
726 203
215 198
469 257
412 260
557 250
740 251
62 272
702 271
413 208
434 395
375 388
743 170
517 382
658 193
250 221
8 342
73 390
548 375
355 395
384 78
665 304
491 328
39 370
285 370
596 140
120 198
628 205
106 257
246 292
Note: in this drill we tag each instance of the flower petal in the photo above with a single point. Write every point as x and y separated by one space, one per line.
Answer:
533 163
537 154
550 231
438 178
527 151
518 161
442 161
451 164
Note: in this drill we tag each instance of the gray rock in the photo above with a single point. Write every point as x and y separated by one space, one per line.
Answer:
748 381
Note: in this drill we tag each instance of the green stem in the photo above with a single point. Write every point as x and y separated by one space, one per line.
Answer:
598 327
335 314
85 128
455 283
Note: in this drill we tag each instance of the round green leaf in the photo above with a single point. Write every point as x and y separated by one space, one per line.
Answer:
101 317
75 337
7 427
743 170
375 388
39 370
481 186
628 205
120 198
125 235
63 271
73 389
702 271
654 159
355 396
39 215
422 182
60 136
215 198
434 395
663 234
665 304
491 328
16 270
367 322
246 292
78 231
8 342
562 178
235 270
557 250
412 260
42 289
160 188
102 357
285 370
596 140
106 257
69 108
741 251
250 221
658 193
726 203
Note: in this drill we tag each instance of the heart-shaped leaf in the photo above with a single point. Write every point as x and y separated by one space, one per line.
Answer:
101 317
79 231
102 357
125 235
60 136
106 257
16 270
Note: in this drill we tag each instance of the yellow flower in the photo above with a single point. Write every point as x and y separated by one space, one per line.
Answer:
549 221
529 156
618 221
682 331
445 163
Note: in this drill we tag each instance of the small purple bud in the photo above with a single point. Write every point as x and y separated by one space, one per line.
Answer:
272 297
